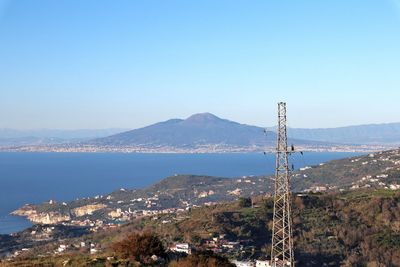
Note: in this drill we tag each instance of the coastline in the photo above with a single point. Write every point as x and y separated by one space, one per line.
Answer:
205 149
132 168
10 224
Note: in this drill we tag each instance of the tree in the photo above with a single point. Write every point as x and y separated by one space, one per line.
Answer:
139 247
244 202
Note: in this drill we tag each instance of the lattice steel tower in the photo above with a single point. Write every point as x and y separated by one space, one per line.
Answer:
282 241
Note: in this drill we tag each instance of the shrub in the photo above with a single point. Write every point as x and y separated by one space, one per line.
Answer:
244 202
139 247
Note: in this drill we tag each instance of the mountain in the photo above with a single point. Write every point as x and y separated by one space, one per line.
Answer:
203 132
388 133
198 130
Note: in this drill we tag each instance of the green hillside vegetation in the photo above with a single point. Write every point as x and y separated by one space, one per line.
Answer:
350 229
355 228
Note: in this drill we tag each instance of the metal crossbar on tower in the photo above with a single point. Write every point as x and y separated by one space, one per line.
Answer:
282 242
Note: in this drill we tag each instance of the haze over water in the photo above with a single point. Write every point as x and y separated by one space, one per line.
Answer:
38 177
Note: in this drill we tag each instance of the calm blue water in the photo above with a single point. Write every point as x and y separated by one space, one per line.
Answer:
38 177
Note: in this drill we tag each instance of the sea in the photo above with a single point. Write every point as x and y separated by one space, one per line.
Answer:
37 177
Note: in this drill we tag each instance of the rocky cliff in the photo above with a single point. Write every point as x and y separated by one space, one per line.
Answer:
52 217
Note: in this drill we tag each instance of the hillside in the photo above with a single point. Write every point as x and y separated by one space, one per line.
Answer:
356 208
358 228
344 228
376 170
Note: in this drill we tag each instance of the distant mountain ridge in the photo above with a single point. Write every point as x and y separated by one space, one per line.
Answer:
58 133
16 137
385 133
203 132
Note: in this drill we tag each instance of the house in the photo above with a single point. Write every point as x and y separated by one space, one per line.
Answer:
182 247
93 249
305 168
260 263
231 245
394 186
62 248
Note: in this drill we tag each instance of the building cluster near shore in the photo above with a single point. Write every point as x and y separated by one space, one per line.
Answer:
206 148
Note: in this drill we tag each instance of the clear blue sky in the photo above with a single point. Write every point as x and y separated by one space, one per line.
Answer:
98 64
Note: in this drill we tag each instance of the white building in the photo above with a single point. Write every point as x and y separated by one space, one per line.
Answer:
394 186
263 263
231 245
320 188
182 247
62 248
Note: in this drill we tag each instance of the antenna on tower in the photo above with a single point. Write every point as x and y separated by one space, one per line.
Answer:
282 239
